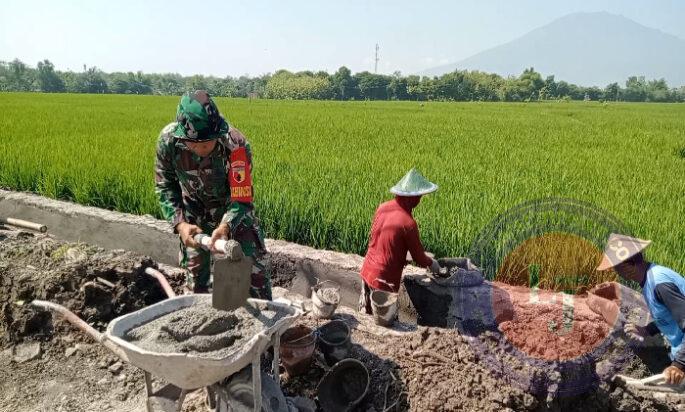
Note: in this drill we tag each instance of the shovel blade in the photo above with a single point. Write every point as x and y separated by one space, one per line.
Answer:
232 279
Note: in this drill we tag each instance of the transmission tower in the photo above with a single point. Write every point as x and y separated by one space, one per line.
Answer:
375 69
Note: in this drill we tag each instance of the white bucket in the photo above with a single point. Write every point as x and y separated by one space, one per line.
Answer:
325 299
384 306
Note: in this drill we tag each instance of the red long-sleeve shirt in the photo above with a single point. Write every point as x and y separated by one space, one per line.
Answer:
393 233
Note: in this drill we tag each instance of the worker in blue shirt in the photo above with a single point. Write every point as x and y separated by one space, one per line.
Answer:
663 290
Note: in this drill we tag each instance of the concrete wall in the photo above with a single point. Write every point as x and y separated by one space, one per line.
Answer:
110 230
152 237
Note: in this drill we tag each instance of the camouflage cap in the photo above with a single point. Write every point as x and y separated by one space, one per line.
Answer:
621 248
198 118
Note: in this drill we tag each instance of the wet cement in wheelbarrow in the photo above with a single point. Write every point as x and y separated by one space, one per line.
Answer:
203 330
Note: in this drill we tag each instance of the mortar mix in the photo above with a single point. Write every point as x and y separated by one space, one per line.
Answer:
202 330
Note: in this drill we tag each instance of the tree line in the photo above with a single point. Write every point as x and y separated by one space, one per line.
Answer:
460 85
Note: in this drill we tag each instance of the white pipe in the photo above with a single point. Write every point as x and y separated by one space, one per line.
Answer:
25 224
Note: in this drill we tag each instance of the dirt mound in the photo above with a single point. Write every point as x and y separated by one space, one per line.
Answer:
95 284
442 373
69 372
283 270
431 369
444 369
532 359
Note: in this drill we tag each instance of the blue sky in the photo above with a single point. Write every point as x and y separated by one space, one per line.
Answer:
253 37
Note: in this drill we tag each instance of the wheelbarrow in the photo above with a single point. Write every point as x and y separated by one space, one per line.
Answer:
185 372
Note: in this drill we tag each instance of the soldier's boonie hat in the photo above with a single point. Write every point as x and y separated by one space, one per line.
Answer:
621 248
198 118
413 184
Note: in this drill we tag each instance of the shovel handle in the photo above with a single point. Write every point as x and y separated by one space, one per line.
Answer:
206 242
657 383
653 379
223 248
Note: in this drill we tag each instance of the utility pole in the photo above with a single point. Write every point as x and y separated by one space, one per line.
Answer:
375 69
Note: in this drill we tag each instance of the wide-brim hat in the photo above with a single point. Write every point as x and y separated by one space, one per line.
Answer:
413 184
620 248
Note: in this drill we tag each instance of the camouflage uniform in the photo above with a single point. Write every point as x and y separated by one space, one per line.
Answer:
194 189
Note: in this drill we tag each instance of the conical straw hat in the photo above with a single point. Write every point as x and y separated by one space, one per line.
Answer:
621 248
413 184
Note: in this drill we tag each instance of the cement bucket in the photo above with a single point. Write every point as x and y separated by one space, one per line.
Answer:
297 349
325 299
384 307
334 341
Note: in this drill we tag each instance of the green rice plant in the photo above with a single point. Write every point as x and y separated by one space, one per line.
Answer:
322 167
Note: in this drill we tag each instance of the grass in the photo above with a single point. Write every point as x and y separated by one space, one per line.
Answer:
321 168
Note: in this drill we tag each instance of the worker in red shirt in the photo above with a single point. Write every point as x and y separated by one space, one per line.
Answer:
394 232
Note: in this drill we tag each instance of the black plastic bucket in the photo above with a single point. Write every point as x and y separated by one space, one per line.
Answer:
344 386
334 341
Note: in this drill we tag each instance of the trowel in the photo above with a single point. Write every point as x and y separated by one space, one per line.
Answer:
232 272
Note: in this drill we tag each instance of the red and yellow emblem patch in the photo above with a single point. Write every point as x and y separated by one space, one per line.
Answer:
240 180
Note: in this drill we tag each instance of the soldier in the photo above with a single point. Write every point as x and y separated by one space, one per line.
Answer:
204 186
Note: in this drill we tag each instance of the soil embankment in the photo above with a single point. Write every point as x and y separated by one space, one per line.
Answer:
48 365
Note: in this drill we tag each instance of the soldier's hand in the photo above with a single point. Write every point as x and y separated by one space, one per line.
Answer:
221 232
674 375
186 232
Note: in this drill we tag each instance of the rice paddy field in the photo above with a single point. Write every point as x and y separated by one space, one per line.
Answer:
321 168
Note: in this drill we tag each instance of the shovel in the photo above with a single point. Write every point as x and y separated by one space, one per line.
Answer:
655 384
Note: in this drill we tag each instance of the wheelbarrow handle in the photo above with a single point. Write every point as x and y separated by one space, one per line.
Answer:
79 323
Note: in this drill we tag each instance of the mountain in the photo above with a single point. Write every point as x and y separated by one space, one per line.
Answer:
588 49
